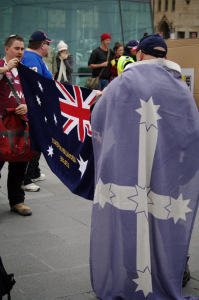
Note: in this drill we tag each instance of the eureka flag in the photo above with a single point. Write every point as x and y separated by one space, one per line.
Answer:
60 128
146 144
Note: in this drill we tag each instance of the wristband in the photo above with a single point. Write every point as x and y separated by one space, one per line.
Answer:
6 67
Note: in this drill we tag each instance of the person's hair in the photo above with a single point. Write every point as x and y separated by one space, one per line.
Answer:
11 38
35 45
117 46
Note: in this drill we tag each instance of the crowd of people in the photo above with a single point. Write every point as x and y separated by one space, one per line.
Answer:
111 117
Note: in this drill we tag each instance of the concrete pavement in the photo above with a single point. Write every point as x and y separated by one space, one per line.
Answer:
49 251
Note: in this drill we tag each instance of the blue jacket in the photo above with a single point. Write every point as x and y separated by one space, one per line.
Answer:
34 61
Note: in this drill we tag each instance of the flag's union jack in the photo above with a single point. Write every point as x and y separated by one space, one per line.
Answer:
77 110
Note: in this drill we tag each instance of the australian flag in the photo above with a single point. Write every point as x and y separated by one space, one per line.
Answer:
60 128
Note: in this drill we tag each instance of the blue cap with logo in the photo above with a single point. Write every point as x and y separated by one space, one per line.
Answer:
148 44
39 36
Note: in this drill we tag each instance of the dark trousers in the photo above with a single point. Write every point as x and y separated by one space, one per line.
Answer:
16 173
33 171
103 83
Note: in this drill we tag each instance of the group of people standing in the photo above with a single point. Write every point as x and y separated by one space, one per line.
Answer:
107 63
22 176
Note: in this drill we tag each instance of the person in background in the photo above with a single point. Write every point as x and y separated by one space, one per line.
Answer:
51 61
14 49
118 51
98 61
129 56
38 48
65 64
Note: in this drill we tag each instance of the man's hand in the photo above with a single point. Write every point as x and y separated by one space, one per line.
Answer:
21 109
105 64
13 63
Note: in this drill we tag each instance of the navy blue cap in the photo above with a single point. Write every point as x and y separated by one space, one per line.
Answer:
132 44
149 42
39 36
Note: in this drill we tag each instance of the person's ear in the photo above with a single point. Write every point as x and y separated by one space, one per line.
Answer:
6 48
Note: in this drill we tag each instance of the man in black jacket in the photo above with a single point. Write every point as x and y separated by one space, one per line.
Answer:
100 59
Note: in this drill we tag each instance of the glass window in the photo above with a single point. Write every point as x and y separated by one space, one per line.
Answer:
193 35
136 20
78 23
173 5
166 5
159 5
180 34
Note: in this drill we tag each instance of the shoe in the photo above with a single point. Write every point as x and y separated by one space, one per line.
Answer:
187 275
30 187
22 209
40 178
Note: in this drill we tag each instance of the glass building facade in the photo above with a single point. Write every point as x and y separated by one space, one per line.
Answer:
78 23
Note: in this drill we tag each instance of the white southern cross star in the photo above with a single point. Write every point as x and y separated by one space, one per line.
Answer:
40 86
82 165
38 100
148 112
45 119
141 200
50 151
178 208
144 282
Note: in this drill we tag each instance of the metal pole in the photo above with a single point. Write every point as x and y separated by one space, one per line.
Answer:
121 22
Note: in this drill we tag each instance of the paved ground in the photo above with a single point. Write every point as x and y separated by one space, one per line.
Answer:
49 251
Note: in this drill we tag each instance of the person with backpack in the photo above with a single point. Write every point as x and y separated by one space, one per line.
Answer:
14 49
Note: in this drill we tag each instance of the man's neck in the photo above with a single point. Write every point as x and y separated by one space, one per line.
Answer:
35 51
104 47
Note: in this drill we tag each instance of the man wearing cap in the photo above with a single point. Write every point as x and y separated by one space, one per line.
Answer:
37 49
145 141
100 59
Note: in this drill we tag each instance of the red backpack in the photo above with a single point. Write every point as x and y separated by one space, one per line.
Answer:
14 134
14 137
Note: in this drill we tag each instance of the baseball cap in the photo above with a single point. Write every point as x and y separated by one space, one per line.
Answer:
148 44
132 45
39 36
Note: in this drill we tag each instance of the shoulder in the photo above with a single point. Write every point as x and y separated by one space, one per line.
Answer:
2 62
29 57
96 50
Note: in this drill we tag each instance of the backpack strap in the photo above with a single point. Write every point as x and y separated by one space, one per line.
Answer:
13 90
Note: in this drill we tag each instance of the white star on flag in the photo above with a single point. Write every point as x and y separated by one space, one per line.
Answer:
55 119
141 200
178 208
50 151
38 100
144 282
45 119
82 165
40 86
148 113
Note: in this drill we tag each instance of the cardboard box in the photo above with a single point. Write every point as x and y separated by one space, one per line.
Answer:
185 52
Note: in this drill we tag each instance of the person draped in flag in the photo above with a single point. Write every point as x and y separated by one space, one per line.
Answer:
145 132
